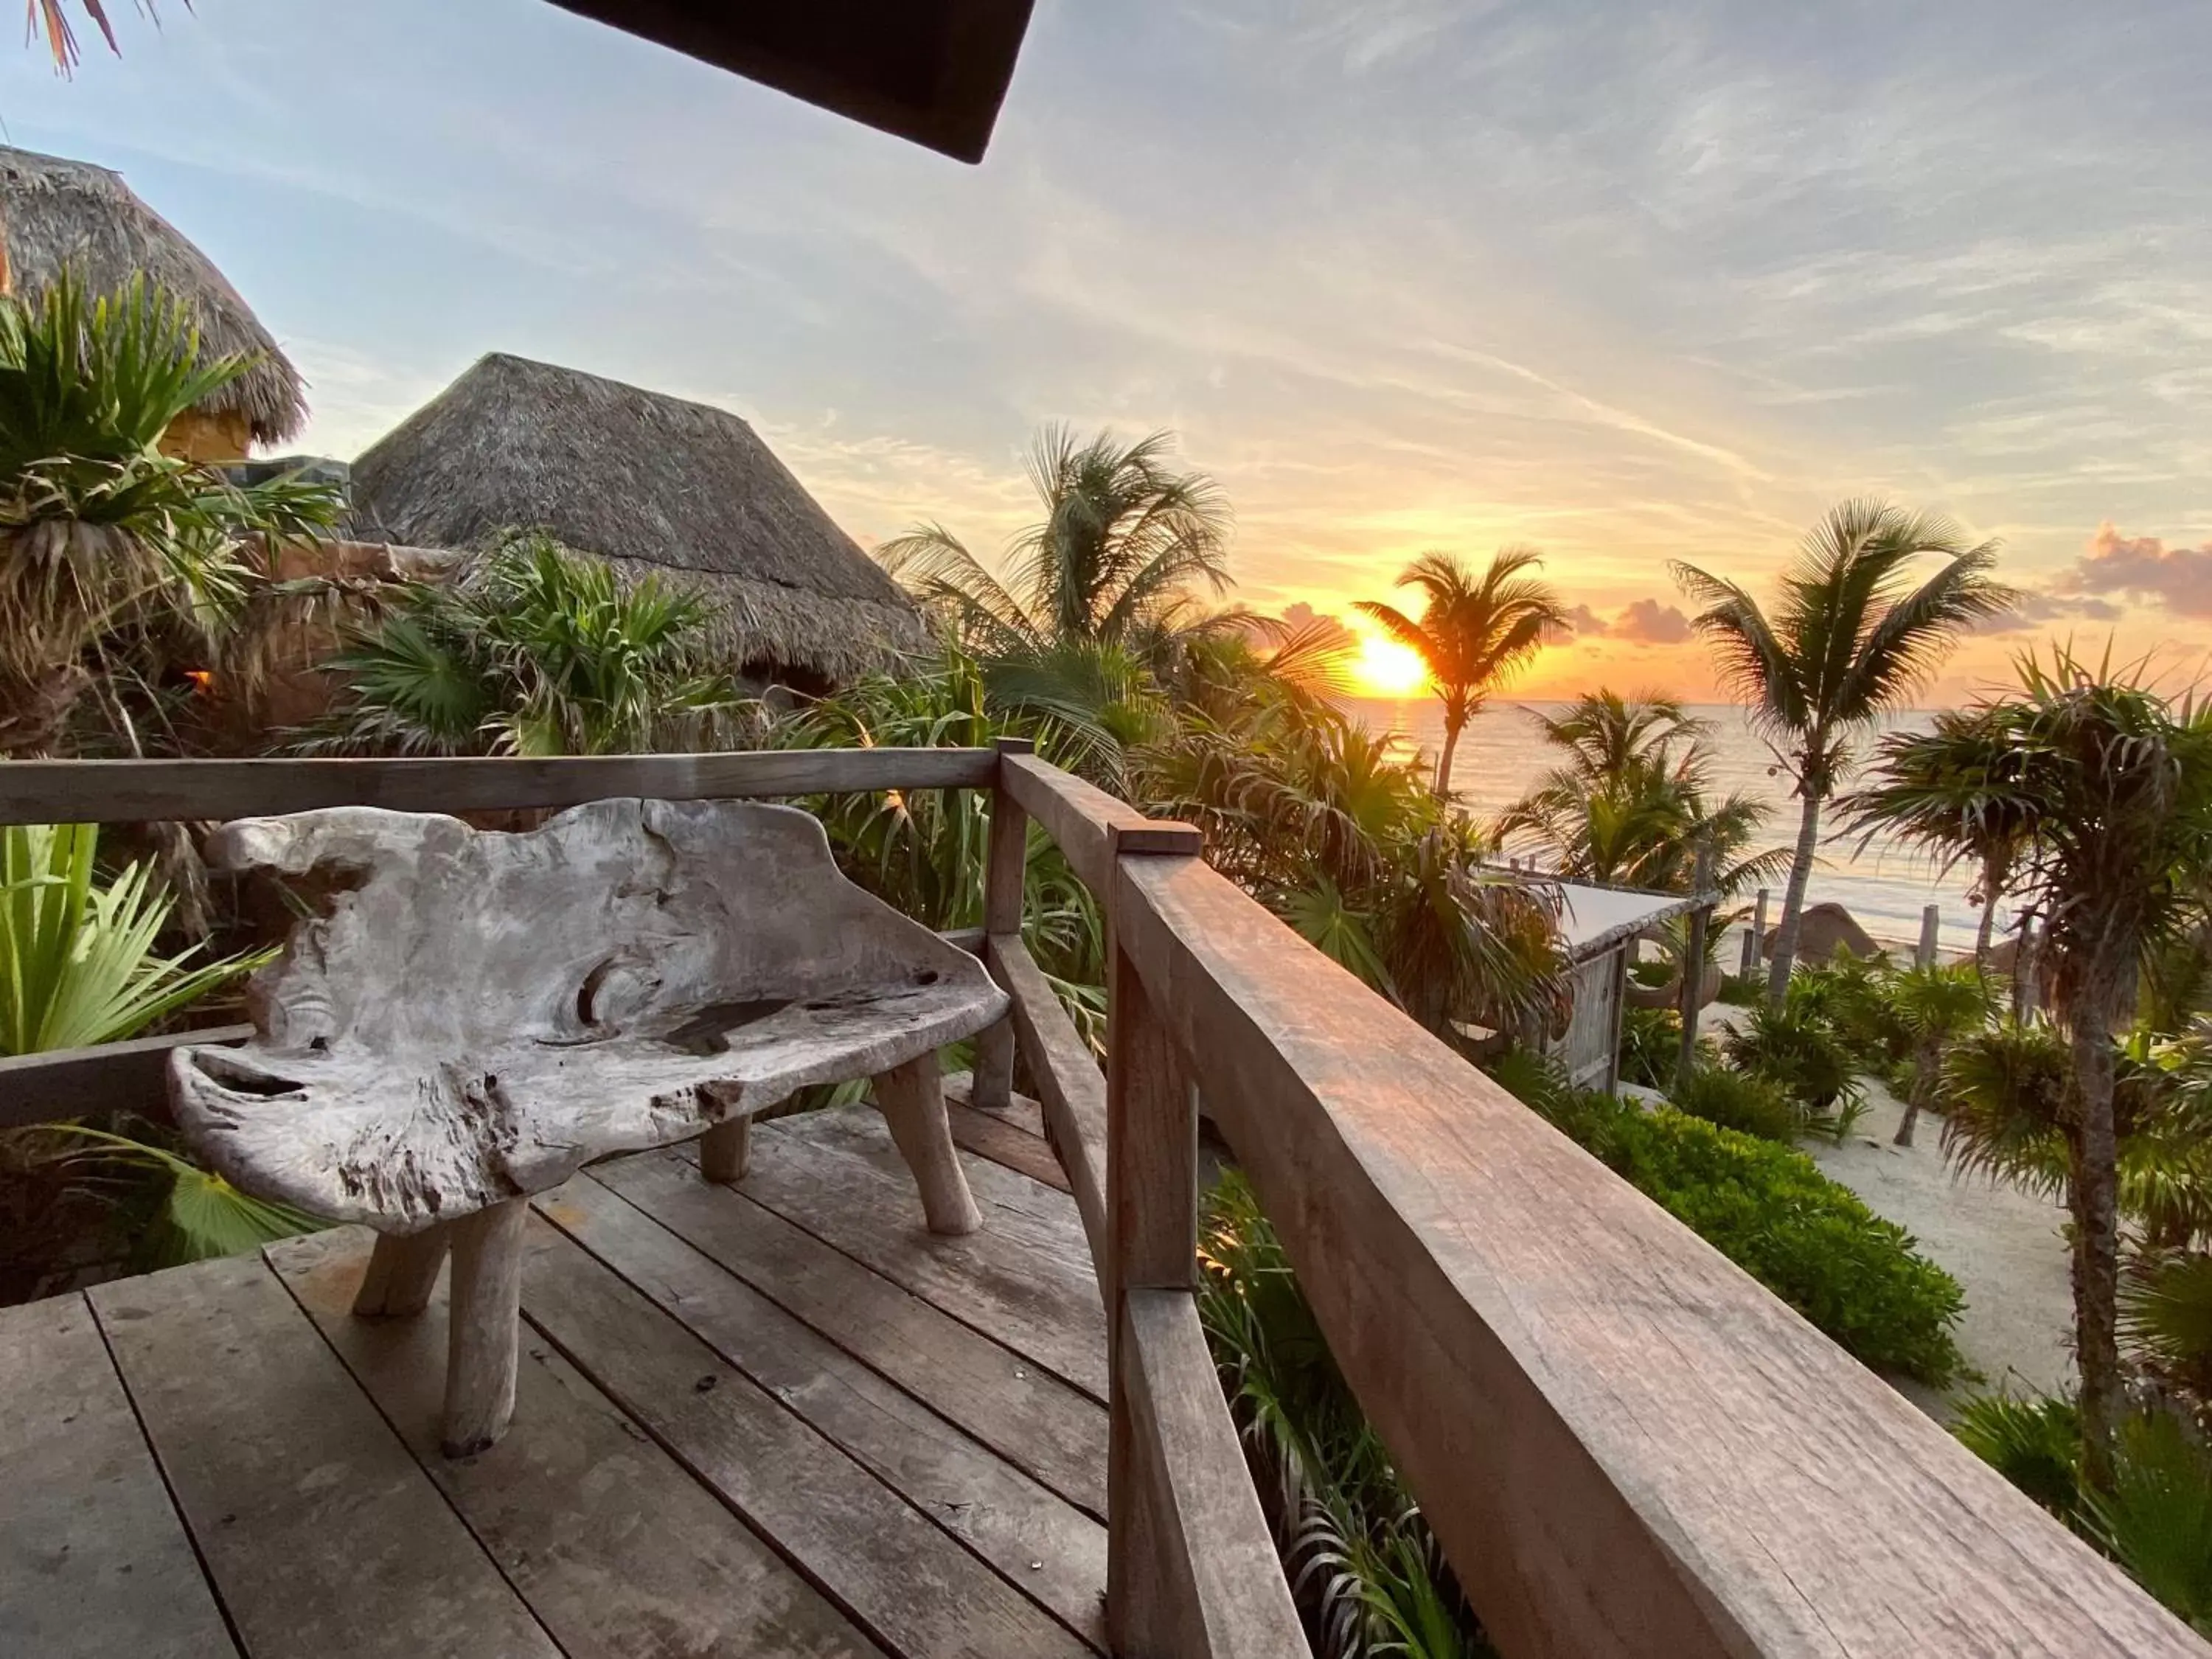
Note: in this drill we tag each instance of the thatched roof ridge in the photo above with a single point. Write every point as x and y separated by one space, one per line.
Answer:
651 483
61 213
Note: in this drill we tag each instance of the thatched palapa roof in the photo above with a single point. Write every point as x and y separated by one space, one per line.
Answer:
63 213
652 484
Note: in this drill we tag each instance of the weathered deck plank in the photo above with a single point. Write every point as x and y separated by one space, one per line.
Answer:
1006 1144
323 1535
619 1551
1024 1279
1034 1539
92 1556
1020 1409
741 1436
1020 1111
905 1581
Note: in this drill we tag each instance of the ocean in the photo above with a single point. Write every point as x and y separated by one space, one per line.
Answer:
1885 887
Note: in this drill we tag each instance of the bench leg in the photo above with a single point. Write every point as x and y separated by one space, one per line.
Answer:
403 1271
725 1151
912 1100
480 1340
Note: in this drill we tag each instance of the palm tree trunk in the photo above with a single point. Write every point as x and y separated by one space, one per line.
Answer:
1453 726
1988 928
1792 900
2094 1196
1924 1085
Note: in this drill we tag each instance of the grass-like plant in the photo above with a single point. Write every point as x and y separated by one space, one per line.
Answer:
79 966
78 962
1366 1571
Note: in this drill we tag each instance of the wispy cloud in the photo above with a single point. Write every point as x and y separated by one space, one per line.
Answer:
1629 282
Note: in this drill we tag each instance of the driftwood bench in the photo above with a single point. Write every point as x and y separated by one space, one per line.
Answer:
475 1016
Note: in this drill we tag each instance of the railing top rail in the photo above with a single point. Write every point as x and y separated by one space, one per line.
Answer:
153 791
1625 1445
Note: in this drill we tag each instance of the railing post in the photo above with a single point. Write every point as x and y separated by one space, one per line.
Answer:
1151 1206
1005 866
1931 936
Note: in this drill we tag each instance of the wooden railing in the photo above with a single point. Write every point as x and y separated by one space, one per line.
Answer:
1624 1445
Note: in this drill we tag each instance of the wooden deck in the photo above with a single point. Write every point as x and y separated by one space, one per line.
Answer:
779 1420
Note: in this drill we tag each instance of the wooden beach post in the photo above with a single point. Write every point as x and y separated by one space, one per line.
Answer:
1693 959
1752 940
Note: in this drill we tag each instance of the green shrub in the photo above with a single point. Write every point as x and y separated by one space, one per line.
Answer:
1809 1239
1851 995
1584 1115
1770 1210
1738 1100
2034 1442
1797 1049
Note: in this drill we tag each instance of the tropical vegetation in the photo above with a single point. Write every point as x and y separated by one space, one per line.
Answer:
1367 1573
1096 605
535 651
2108 785
122 570
1632 802
80 964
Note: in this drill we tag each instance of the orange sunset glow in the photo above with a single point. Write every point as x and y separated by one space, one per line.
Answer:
1383 667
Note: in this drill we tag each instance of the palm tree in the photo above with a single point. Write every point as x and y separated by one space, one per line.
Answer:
1633 803
1604 733
1097 603
1124 540
1946 790
2112 788
1475 630
1937 1006
1851 638
50 18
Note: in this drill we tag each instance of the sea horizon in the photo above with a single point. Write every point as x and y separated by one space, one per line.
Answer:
1885 887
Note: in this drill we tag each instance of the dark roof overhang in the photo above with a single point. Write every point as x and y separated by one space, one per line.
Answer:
934 71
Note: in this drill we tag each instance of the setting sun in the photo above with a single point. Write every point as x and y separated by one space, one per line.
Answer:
1388 668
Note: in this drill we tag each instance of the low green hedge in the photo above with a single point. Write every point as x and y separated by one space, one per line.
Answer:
1809 1239
1769 1209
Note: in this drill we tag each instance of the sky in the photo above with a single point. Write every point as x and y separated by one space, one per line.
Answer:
1629 284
